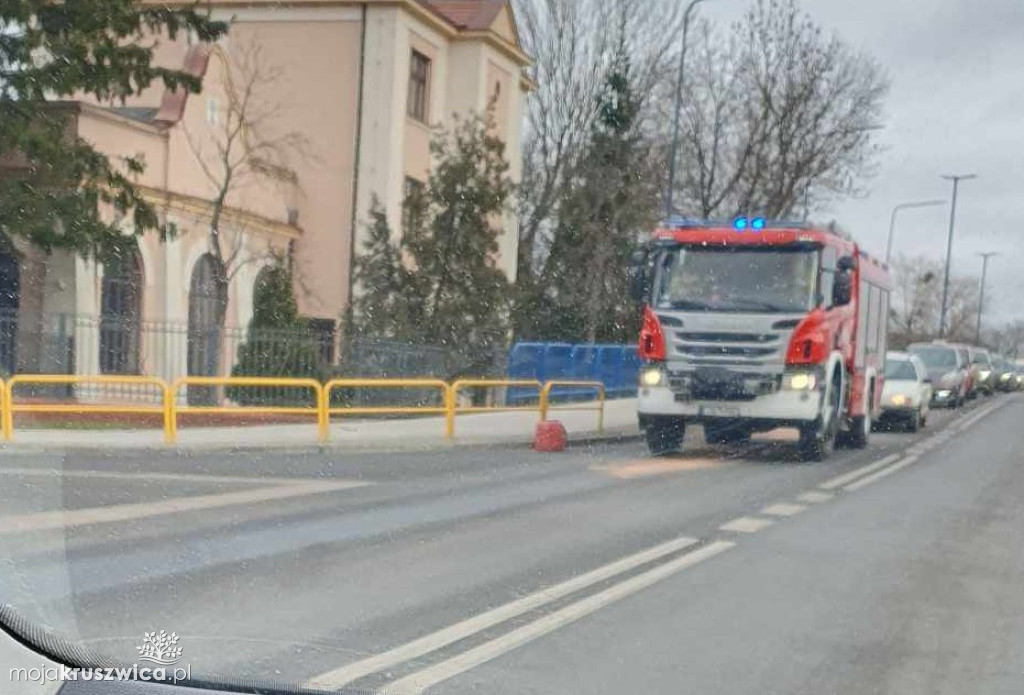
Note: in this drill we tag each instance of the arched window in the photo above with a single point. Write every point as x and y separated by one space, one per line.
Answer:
10 297
204 329
121 313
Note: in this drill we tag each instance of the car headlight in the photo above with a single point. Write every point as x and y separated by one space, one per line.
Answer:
984 374
900 399
944 393
652 376
800 381
1004 377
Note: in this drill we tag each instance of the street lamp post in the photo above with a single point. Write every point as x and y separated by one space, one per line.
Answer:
956 179
981 292
892 220
670 191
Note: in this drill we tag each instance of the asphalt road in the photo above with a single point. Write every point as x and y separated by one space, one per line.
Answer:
895 569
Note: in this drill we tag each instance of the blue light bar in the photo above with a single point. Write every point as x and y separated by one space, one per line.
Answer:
741 224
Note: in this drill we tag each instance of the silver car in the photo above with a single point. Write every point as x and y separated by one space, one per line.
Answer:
907 392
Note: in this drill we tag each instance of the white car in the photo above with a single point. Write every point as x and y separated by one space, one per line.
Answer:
907 392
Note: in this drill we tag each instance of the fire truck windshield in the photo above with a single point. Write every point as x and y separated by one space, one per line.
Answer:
761 280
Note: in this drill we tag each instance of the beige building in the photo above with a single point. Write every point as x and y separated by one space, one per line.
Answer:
340 98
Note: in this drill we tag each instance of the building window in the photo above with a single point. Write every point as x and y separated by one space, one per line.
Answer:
419 86
121 314
412 203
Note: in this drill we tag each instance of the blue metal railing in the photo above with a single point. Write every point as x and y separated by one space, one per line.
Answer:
616 366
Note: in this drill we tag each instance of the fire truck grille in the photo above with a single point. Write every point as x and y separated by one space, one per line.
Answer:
759 338
729 349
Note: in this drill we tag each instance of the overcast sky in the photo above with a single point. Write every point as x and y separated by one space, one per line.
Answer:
956 106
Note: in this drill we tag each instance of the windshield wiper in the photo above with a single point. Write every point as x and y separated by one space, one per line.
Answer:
692 305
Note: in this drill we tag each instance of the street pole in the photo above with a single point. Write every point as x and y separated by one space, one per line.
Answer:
892 220
670 191
981 292
956 179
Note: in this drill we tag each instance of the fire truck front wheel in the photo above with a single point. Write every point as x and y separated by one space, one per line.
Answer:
818 438
664 434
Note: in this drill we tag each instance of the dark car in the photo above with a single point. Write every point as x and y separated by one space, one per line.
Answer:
1004 374
947 372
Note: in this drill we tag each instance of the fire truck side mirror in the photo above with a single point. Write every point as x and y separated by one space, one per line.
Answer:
842 290
638 276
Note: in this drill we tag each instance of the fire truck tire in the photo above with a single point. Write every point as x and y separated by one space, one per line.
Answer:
857 437
665 435
818 438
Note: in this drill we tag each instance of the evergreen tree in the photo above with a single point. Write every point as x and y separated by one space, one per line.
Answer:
53 183
381 280
278 341
607 204
439 284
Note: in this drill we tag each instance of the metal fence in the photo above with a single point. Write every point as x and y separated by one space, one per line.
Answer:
75 344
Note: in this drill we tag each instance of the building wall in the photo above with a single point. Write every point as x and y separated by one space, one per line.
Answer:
316 49
316 97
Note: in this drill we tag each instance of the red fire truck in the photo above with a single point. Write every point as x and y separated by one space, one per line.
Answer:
753 325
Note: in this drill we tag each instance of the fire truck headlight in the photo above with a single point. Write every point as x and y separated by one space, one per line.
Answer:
652 376
800 381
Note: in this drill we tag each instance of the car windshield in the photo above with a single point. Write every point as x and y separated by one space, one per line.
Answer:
936 357
737 280
900 370
459 347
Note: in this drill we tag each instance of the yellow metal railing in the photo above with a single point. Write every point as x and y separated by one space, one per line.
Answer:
11 406
545 399
168 395
443 386
317 409
454 408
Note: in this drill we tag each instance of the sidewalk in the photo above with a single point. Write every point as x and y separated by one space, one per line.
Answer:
515 427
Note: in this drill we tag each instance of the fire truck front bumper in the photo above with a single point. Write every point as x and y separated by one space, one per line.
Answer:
779 409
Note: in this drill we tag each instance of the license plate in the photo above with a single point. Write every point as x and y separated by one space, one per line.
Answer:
719 410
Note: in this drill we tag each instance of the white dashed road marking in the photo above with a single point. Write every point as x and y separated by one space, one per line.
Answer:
783 509
746 524
815 497
841 480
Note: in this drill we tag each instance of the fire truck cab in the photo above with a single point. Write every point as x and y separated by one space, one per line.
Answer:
753 325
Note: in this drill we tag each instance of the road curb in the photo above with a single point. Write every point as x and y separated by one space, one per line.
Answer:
339 447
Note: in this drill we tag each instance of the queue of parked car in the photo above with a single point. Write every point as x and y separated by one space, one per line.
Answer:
941 375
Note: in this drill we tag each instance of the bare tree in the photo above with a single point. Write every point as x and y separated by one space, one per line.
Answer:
914 305
246 145
571 45
1008 339
777 115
